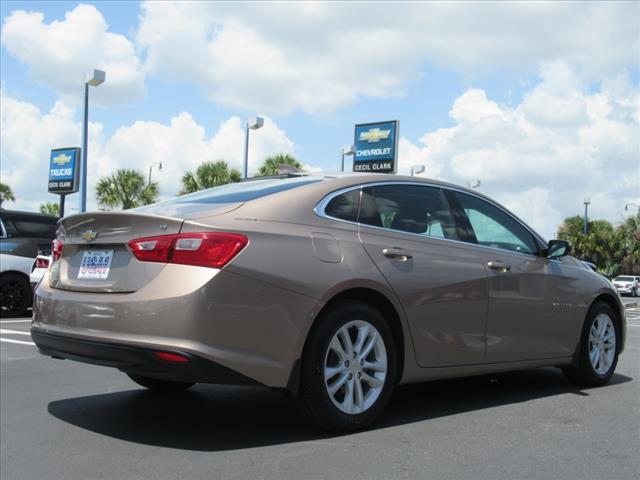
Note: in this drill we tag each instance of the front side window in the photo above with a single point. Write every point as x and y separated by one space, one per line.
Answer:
408 208
494 227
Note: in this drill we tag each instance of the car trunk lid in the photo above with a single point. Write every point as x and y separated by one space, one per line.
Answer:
95 256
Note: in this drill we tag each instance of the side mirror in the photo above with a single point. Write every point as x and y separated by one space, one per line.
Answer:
558 248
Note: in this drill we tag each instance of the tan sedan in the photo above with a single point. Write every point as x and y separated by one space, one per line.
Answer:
334 288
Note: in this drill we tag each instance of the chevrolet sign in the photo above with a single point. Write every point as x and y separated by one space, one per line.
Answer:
63 170
376 146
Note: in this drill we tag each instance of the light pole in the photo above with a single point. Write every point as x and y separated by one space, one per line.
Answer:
253 124
626 207
474 185
347 150
587 202
159 164
416 169
97 78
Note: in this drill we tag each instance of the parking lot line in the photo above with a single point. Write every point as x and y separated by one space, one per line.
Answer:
14 321
16 332
10 340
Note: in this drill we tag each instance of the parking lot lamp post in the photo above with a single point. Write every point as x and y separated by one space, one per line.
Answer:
587 202
348 150
416 169
628 206
96 78
253 124
159 165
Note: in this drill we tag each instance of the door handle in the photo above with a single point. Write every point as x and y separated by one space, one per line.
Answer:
498 265
396 254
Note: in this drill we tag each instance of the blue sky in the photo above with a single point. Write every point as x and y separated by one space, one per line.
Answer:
524 97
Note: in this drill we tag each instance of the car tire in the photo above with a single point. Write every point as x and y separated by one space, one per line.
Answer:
345 386
597 354
159 385
16 294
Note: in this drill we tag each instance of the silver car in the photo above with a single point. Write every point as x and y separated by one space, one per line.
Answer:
333 288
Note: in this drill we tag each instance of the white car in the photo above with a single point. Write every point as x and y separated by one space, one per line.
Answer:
627 285
16 260
38 269
23 236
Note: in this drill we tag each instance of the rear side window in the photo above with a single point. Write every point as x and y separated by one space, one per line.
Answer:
34 229
494 227
344 206
408 208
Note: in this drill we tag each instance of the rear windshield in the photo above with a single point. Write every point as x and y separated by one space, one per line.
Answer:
624 279
239 192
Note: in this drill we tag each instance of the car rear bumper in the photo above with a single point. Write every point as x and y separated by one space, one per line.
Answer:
137 360
242 324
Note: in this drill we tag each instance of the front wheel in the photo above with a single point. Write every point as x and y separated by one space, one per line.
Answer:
348 368
159 385
599 345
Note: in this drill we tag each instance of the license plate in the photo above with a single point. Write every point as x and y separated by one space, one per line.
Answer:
95 264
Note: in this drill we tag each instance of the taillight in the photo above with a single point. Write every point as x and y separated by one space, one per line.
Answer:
56 249
208 249
42 262
171 357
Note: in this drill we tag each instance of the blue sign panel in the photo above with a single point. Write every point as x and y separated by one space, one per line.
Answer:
376 147
63 170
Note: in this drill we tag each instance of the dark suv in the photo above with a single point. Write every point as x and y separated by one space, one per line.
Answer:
23 235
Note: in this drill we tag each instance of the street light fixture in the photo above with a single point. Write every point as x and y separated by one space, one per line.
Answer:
587 202
347 150
253 124
416 169
626 207
97 77
473 185
159 165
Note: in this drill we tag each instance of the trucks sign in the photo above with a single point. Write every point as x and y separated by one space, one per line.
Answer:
63 170
376 147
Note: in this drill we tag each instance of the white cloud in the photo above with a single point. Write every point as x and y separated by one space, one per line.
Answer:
58 54
280 57
542 157
29 134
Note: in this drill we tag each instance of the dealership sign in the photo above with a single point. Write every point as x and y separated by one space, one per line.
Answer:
376 147
63 170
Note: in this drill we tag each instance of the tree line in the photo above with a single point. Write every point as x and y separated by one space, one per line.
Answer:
127 188
615 250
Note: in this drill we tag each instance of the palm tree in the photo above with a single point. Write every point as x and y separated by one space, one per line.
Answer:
208 175
50 208
271 165
126 188
627 244
6 194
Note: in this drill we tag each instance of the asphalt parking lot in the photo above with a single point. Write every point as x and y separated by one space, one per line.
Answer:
65 420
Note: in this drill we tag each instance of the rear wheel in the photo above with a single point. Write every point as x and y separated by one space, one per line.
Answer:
159 385
599 345
348 368
15 294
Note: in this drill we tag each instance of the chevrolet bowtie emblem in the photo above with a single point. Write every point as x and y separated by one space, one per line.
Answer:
89 235
62 159
374 135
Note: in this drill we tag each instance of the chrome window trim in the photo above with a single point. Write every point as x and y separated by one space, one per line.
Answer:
320 211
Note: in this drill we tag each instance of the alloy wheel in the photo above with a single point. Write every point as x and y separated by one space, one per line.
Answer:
355 367
602 343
